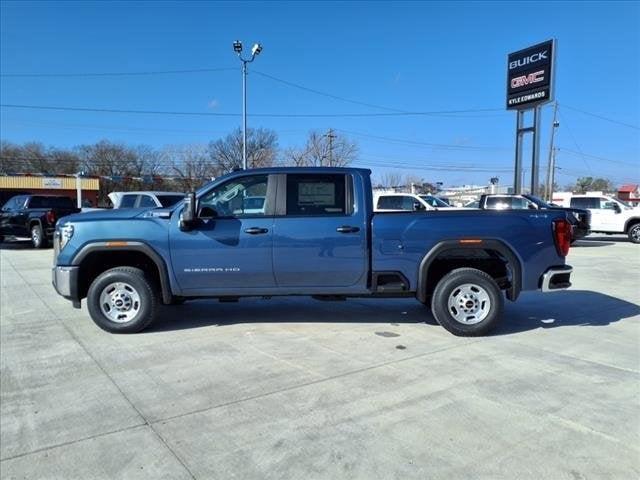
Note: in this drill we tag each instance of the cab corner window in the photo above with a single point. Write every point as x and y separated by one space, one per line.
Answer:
240 197
317 194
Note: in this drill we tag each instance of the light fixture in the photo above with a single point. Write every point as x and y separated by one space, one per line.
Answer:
237 46
257 48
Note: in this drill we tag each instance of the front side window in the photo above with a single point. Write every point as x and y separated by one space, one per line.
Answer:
316 194
128 201
146 201
407 203
244 196
607 204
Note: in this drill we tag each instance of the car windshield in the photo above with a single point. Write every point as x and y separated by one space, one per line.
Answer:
434 201
169 200
623 203
538 201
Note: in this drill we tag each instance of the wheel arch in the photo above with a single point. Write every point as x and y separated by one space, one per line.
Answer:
126 250
630 223
512 264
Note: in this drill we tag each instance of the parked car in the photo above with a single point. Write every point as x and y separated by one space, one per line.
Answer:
608 215
580 219
407 202
144 199
34 216
318 236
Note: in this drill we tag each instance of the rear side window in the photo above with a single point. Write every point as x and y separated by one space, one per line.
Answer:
585 202
169 200
146 201
128 201
497 203
316 194
51 202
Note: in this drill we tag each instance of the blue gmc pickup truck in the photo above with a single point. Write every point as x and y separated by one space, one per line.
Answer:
305 231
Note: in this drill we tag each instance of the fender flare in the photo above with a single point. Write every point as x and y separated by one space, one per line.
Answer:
134 246
631 221
513 264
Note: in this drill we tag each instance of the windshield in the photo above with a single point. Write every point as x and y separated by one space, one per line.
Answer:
434 201
627 205
169 200
538 201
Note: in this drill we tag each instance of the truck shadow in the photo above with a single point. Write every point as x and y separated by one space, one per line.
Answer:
610 239
532 311
16 245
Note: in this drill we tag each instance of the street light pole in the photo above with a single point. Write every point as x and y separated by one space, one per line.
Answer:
255 51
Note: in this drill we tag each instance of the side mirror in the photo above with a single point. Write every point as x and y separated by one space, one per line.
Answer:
188 214
417 206
617 208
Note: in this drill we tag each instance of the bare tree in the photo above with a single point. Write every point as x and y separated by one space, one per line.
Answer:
262 147
323 150
390 180
33 157
192 164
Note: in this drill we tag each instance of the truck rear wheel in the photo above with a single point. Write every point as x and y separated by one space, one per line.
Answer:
467 302
122 300
634 233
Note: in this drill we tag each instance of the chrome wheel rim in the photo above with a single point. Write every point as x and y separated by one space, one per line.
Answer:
469 304
119 302
35 236
635 233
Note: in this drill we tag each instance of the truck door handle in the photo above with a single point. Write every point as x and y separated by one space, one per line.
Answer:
255 230
347 229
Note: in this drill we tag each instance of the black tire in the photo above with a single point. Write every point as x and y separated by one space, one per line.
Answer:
140 283
38 238
469 286
634 233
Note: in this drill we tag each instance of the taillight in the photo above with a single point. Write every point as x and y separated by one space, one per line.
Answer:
51 217
562 236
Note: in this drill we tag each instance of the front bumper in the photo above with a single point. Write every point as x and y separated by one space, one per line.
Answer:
556 278
65 281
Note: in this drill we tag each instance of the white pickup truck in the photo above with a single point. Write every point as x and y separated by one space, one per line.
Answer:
608 215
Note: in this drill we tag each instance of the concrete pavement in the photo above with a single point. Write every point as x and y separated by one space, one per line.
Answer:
299 389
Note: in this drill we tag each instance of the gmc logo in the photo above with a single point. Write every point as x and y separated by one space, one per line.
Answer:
521 62
530 79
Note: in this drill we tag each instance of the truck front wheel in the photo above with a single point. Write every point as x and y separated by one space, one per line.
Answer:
38 238
467 302
634 233
122 300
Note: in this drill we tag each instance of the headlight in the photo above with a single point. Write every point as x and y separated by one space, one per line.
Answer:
66 232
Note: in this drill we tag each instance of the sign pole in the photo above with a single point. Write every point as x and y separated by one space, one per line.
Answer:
535 153
517 177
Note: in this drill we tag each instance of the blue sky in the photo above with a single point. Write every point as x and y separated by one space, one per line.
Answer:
408 56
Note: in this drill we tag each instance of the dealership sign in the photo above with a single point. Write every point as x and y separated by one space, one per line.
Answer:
530 76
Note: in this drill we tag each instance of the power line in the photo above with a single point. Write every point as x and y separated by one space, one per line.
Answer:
220 114
114 74
419 143
328 95
602 117
604 159
574 140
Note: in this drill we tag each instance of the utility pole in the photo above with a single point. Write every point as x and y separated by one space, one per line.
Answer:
548 190
552 161
330 136
257 48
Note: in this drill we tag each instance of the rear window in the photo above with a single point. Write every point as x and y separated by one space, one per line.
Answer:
316 195
169 200
51 202
396 202
585 202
